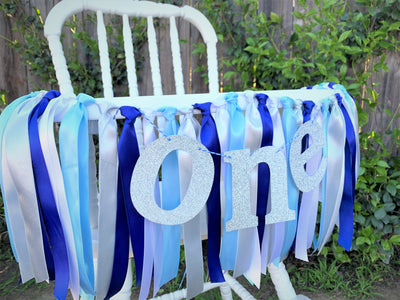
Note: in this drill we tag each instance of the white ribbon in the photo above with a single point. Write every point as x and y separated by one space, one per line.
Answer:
309 202
15 217
248 257
20 186
54 111
153 239
275 231
190 127
334 171
108 184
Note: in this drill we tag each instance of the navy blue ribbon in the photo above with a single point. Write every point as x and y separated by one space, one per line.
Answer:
129 221
53 236
209 138
263 169
346 216
307 109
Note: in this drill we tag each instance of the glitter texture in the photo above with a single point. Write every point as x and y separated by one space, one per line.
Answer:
304 181
242 164
146 170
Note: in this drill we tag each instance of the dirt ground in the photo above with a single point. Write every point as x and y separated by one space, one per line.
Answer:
9 284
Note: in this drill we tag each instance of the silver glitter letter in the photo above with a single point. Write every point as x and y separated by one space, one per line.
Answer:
146 171
242 164
304 181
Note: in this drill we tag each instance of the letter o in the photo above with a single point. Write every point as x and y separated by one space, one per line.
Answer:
146 171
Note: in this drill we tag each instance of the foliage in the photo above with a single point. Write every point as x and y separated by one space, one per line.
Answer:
82 54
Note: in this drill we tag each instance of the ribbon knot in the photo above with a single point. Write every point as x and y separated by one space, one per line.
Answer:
168 112
85 99
262 100
130 113
287 102
231 98
205 108
307 109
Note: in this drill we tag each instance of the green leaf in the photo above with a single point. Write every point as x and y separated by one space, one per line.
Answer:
298 15
383 164
344 35
395 239
386 245
362 240
380 213
229 74
274 17
391 189
322 69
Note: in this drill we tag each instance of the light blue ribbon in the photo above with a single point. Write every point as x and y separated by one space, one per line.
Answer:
289 125
5 115
170 200
326 114
74 157
235 142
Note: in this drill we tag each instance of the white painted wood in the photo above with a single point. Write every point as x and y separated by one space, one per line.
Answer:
60 64
104 57
154 60
176 57
66 8
129 57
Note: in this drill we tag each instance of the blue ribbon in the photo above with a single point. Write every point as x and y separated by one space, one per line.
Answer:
289 125
236 140
128 221
4 116
307 109
263 169
74 156
346 216
46 200
170 200
209 138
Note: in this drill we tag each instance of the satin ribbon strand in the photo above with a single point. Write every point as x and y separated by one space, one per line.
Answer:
4 117
47 203
210 139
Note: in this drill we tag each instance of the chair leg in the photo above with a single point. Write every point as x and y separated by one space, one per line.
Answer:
283 286
226 292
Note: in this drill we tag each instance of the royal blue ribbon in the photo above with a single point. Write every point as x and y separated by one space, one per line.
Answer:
129 221
46 200
307 109
263 169
209 138
346 217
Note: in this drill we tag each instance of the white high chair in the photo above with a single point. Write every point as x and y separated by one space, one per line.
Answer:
145 9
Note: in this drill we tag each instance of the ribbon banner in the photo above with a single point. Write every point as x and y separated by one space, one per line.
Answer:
253 171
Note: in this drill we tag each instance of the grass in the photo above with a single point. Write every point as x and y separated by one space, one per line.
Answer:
357 279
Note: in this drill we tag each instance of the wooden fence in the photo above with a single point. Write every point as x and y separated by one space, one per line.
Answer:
16 79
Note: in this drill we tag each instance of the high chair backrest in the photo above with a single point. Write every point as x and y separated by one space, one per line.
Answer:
131 8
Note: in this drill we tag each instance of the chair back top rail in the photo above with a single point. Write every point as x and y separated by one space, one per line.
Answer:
125 8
